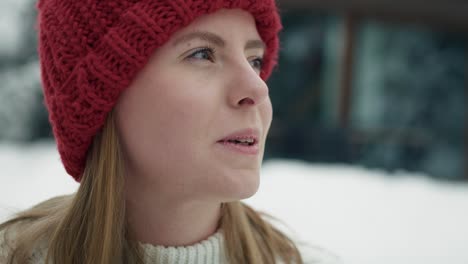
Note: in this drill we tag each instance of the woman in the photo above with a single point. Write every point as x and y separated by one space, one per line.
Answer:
160 110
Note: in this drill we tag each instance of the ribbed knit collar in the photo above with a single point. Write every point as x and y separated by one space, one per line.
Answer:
208 251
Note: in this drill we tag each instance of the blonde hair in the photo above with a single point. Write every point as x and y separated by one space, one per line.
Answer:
90 226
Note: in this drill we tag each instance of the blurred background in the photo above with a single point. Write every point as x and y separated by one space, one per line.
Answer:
380 83
370 115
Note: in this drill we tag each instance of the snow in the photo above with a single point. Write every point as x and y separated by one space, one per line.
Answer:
363 216
369 216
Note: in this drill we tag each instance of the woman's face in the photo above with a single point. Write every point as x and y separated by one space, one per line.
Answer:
199 91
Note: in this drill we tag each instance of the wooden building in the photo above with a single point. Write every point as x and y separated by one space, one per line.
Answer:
446 16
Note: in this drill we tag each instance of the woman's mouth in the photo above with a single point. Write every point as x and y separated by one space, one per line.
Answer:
244 142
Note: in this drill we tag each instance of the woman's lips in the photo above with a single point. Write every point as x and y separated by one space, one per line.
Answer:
249 149
243 141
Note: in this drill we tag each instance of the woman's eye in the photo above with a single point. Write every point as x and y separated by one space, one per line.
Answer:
203 54
257 63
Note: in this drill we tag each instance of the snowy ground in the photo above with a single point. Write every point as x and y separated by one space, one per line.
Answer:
364 216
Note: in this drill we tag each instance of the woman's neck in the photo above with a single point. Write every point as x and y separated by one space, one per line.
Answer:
172 223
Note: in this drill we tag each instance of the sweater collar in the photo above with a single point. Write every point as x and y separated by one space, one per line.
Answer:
208 251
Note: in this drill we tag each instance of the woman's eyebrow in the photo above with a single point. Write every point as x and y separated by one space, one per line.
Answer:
203 35
215 40
255 44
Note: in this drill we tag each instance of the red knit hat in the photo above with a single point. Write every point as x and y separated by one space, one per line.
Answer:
91 50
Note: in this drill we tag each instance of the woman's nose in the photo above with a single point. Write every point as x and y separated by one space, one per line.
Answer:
246 88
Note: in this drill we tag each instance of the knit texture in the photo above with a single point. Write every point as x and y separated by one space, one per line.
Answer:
208 251
91 50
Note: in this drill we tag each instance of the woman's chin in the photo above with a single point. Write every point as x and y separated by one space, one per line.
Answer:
244 186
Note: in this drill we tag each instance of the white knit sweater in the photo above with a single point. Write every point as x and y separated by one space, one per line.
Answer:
208 251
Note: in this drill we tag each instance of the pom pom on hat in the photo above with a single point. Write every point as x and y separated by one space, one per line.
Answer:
91 50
